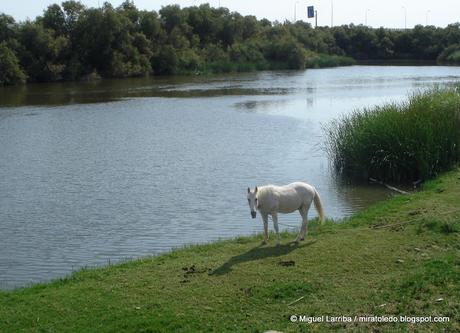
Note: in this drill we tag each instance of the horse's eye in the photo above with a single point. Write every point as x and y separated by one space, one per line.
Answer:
256 199
249 200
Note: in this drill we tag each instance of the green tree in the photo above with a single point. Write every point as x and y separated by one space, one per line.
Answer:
150 24
54 18
10 70
172 16
95 33
7 28
73 10
40 52
165 61
129 10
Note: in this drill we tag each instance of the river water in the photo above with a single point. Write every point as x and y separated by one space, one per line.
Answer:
116 169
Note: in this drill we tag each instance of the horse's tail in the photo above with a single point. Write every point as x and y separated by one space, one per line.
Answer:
319 207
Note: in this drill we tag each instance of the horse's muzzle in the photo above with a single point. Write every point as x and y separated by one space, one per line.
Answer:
253 214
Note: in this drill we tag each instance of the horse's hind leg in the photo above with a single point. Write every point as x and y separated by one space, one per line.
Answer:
304 228
275 225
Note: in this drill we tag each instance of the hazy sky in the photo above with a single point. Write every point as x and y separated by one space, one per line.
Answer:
389 13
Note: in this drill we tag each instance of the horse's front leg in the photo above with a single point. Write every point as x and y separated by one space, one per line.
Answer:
275 225
265 221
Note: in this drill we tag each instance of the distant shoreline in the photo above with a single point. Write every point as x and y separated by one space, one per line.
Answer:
396 62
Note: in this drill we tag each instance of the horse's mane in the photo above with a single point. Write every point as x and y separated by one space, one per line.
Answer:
263 191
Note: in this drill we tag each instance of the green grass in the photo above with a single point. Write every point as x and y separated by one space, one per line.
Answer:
400 257
402 142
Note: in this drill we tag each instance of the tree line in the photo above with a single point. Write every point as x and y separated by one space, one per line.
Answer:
71 41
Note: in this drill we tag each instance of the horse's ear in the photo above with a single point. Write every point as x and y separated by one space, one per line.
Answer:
249 190
256 189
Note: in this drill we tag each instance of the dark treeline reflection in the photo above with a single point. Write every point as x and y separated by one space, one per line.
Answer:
70 42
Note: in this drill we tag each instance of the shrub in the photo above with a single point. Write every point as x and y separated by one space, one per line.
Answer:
288 52
451 55
189 61
247 52
165 61
315 60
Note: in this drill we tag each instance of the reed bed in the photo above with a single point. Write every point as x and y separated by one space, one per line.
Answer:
399 142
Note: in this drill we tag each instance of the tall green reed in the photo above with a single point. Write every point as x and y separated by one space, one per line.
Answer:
399 142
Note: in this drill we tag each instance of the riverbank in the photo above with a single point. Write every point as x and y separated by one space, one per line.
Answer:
399 257
397 62
312 60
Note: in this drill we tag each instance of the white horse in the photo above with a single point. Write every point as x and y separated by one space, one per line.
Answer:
271 200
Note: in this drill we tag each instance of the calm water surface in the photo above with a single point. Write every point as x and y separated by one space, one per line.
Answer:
110 170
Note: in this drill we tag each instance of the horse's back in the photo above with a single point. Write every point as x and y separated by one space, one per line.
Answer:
293 196
307 187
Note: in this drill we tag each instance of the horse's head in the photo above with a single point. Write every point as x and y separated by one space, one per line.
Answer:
252 201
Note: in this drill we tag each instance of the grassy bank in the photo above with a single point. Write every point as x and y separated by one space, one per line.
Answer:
402 142
400 257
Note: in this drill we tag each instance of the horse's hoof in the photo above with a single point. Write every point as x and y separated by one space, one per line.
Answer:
264 243
302 239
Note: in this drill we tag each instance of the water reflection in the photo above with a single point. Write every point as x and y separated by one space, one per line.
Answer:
338 81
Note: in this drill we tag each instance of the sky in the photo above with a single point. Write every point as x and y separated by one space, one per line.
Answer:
389 13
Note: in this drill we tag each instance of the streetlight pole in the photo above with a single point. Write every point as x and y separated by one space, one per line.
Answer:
295 11
332 13
427 13
365 18
405 17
